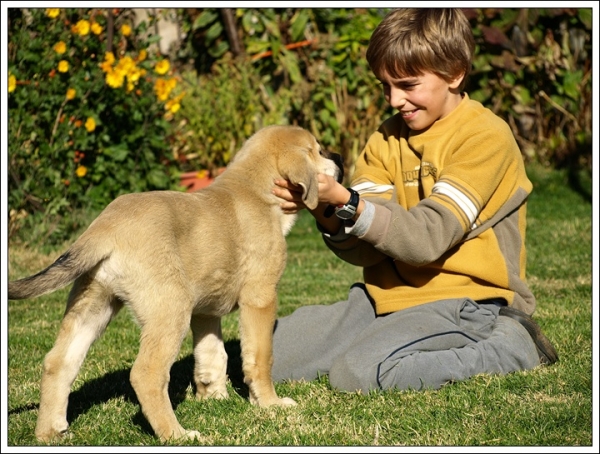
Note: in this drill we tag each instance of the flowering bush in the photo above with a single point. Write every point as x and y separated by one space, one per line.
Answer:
89 107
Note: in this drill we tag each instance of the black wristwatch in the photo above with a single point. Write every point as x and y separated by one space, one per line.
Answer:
348 210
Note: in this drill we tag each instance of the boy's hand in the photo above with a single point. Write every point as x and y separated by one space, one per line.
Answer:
291 195
330 193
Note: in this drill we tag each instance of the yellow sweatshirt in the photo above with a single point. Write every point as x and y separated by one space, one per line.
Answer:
450 212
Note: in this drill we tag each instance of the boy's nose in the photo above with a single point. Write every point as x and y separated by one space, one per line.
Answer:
397 98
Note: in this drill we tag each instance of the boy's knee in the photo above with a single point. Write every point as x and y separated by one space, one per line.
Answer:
351 376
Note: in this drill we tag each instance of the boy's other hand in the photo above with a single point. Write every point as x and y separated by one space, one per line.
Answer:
290 195
330 192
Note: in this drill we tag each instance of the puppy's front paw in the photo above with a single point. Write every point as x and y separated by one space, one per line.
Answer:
181 434
275 401
211 391
286 401
193 435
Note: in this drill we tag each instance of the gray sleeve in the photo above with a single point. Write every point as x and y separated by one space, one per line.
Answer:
417 236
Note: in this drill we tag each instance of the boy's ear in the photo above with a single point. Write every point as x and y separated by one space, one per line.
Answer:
455 83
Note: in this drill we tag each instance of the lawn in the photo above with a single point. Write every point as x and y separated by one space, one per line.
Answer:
549 406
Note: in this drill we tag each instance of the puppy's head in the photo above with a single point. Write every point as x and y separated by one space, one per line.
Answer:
300 159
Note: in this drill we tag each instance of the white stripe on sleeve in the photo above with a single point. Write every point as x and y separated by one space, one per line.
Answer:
368 187
459 198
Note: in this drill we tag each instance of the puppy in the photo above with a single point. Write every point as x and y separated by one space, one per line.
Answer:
181 260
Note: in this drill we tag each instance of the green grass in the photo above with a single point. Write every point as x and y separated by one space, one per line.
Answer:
548 406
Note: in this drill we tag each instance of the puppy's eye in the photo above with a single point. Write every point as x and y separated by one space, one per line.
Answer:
320 148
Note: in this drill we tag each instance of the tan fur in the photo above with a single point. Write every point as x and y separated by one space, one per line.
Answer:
180 260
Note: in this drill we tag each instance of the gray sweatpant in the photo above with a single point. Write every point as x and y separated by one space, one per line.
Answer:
420 347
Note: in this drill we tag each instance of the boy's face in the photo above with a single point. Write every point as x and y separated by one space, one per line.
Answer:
423 99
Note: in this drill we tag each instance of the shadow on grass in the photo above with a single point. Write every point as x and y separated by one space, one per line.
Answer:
116 385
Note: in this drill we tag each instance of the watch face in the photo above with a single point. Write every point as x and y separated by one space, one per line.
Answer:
344 213
348 210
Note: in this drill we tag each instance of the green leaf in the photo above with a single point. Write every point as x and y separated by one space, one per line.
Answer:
117 153
509 78
154 39
157 178
257 46
522 95
272 28
251 23
206 17
218 50
213 32
290 62
324 115
298 25
585 16
571 83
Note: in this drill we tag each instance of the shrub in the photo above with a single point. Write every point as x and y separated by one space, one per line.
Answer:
534 69
308 69
88 111
220 111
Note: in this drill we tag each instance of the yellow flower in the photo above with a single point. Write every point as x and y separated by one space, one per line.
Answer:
109 57
63 66
134 74
96 28
82 27
114 79
60 47
125 65
125 30
142 55
52 12
81 171
161 89
71 93
12 83
173 105
106 66
90 125
162 67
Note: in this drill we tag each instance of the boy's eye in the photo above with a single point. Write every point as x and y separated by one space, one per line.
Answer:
403 85
406 85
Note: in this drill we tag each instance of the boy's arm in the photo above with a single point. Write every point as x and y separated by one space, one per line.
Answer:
483 181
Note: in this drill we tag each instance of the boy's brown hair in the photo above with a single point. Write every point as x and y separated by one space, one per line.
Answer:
411 41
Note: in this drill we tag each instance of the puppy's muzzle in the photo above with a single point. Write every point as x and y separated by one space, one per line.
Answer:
339 162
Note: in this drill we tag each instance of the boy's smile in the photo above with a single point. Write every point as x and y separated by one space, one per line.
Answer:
423 99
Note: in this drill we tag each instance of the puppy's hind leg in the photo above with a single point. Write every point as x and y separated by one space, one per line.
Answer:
89 310
210 369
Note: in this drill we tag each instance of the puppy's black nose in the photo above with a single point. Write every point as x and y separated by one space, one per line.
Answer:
339 162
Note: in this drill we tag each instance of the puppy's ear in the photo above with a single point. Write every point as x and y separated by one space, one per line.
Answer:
295 167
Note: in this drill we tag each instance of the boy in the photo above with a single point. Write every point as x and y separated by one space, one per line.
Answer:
436 218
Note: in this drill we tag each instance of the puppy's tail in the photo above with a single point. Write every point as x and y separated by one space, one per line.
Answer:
62 272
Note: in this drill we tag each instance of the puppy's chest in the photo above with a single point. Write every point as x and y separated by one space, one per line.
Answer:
287 222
